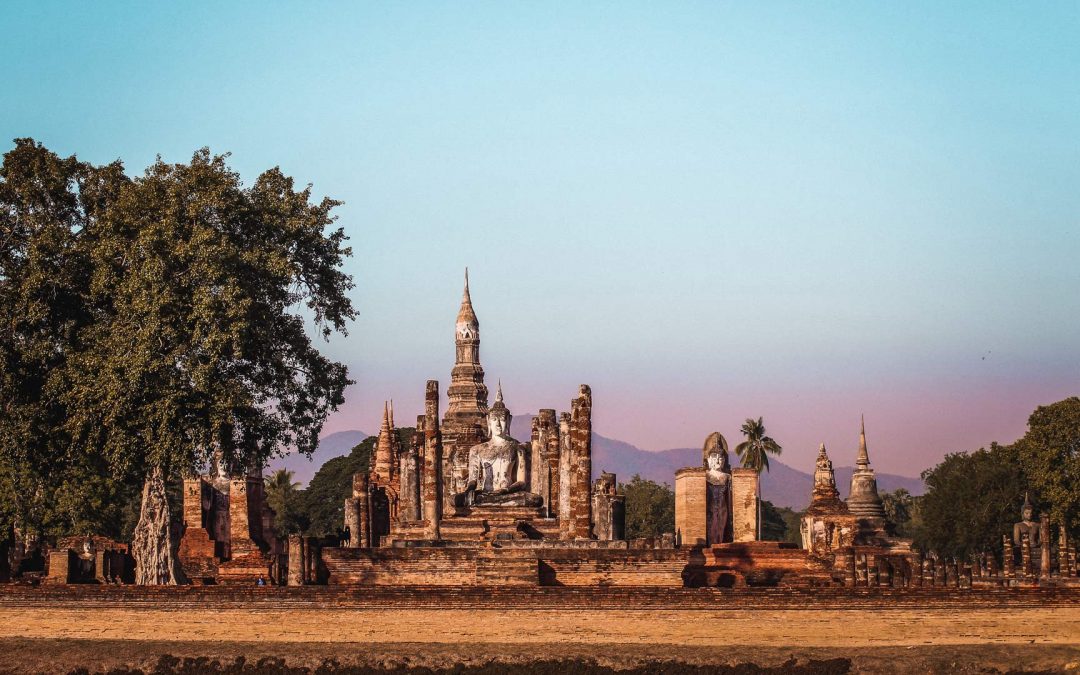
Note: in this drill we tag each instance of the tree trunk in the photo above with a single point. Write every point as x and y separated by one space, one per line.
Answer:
155 562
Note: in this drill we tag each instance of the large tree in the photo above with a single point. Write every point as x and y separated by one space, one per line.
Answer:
165 324
650 508
1050 455
47 206
971 500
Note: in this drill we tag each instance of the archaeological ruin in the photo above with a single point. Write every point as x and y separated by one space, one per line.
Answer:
464 504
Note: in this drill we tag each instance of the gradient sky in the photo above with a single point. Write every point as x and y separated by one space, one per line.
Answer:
707 211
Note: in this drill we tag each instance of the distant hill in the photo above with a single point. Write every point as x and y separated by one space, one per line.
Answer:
330 446
781 485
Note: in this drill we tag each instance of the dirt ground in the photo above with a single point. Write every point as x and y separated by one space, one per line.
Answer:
65 638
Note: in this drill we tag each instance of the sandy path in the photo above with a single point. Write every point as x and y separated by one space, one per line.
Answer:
824 628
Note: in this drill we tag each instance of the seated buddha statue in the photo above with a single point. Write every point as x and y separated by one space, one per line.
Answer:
497 466
1027 525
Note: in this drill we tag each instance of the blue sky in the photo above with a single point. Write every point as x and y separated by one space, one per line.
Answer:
705 210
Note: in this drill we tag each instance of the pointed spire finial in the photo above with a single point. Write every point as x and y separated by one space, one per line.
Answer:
863 460
498 392
385 416
392 413
466 313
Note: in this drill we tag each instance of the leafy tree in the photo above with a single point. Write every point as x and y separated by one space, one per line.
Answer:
283 496
775 522
971 500
780 523
755 450
324 499
48 483
650 508
899 507
1050 455
158 324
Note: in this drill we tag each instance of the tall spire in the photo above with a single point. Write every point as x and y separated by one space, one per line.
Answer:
466 313
383 469
863 498
467 392
392 414
863 460
498 392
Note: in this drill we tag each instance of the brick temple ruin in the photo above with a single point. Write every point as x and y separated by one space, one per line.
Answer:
463 504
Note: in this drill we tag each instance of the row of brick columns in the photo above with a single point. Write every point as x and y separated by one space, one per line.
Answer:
303 561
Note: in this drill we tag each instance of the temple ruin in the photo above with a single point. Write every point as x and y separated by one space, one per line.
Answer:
462 503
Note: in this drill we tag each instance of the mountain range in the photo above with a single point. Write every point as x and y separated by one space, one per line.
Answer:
781 484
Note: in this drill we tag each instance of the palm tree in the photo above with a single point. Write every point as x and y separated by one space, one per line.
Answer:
754 451
282 495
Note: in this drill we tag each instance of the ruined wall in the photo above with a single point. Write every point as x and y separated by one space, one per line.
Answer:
745 492
609 509
690 506
433 566
409 477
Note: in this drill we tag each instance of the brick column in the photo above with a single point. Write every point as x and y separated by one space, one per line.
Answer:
744 504
352 521
581 465
193 488
690 506
563 481
1025 556
1044 547
432 487
241 541
296 560
362 535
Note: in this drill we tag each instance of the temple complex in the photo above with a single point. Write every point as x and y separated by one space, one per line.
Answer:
463 503
464 480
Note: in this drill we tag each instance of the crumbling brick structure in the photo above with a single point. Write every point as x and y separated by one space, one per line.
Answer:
229 531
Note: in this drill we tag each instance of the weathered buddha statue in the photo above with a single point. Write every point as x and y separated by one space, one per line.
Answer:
1027 525
497 472
718 489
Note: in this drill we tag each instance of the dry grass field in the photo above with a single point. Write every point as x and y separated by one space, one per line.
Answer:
61 638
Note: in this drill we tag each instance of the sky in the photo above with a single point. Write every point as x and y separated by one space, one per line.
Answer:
707 211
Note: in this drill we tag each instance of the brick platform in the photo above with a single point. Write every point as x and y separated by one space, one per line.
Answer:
515 565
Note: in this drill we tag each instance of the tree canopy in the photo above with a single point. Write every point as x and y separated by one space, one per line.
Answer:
156 323
650 508
971 500
1050 455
